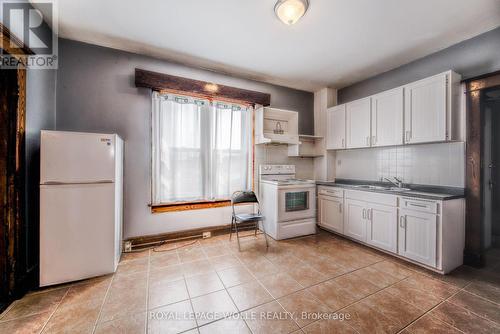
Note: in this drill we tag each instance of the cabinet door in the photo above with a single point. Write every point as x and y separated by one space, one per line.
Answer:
387 118
417 236
425 110
331 216
382 227
358 121
335 128
355 219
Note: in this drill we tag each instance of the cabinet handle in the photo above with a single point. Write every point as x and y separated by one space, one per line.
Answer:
340 207
402 222
407 136
370 214
343 141
418 205
364 213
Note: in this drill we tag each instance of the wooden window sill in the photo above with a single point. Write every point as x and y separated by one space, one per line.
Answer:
184 206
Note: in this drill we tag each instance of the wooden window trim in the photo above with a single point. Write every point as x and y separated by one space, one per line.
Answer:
194 205
165 83
204 204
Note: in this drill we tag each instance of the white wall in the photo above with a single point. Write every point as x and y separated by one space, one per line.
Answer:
430 164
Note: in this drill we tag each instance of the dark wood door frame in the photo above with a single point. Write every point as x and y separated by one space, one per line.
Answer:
12 168
474 227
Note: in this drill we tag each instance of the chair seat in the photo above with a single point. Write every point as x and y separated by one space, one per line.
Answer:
246 217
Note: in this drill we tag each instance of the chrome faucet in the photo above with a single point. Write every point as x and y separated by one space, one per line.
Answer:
398 183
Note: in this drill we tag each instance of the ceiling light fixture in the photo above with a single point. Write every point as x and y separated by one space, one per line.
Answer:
290 11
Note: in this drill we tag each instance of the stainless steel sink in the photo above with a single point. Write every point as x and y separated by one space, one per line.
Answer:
397 189
366 186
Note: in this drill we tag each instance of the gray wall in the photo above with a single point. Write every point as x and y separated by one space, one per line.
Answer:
96 92
40 115
473 57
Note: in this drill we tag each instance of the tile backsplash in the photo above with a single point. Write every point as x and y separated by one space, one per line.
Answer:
430 164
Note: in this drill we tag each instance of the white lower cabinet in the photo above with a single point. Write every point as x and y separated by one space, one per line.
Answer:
418 236
427 232
355 219
331 216
381 227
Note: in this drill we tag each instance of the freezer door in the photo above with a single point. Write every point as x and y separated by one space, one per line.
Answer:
77 232
75 157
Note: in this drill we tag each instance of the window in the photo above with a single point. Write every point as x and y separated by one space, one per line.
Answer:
201 149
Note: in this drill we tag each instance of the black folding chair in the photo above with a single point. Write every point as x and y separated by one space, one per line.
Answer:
246 197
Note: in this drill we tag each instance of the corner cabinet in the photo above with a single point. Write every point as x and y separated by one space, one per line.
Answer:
335 128
432 109
358 123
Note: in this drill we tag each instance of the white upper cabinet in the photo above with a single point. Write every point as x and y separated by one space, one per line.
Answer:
387 118
432 111
424 111
335 128
276 126
358 127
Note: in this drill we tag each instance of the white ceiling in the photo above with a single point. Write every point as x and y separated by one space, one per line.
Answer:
337 42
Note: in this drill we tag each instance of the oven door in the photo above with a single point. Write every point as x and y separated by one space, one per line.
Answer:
296 203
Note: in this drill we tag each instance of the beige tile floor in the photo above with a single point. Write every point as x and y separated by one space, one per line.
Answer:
285 289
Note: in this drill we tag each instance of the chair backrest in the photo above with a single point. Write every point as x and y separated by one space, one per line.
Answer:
244 197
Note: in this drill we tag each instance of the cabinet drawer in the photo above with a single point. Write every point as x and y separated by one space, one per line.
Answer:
419 205
331 191
372 197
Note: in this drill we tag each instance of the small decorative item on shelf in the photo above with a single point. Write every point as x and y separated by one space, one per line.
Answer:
278 130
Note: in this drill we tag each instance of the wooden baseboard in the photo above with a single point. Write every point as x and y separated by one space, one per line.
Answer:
151 240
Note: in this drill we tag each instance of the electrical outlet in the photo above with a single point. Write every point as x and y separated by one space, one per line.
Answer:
128 246
207 235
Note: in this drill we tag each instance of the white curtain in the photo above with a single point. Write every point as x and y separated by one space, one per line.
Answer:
201 149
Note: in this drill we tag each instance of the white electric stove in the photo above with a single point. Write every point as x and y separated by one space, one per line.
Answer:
288 204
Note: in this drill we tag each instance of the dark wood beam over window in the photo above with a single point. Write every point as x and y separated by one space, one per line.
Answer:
159 81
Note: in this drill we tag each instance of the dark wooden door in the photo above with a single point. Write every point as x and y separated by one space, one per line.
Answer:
12 111
474 227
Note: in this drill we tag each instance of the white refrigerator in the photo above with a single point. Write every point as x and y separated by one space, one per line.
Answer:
81 202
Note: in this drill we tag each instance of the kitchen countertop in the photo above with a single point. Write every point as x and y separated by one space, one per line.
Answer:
417 191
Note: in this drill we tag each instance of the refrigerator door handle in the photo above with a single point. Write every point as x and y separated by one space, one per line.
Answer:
55 183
